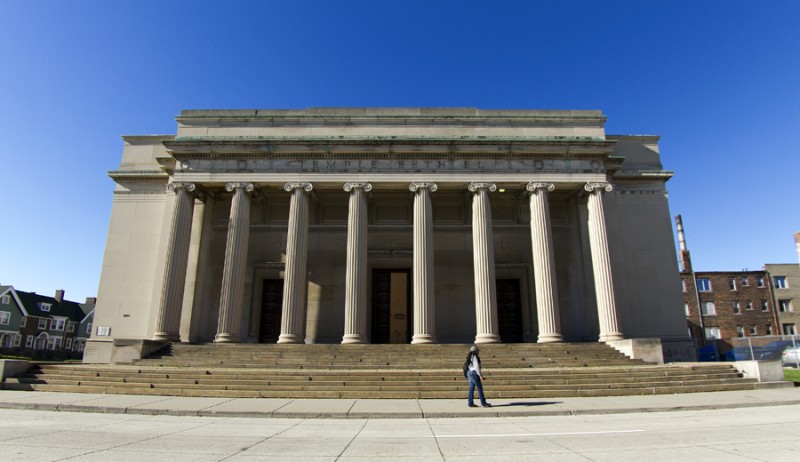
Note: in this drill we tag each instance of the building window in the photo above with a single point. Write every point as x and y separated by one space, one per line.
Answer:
764 305
760 281
70 326
739 331
5 299
707 309
42 324
17 340
57 324
753 330
51 343
768 329
785 306
683 285
44 306
23 321
737 309
732 283
748 305
703 285
788 329
68 344
780 282
89 329
686 309
57 343
5 318
744 281
712 333
29 341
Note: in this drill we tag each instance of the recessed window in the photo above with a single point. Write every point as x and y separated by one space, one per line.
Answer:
42 324
703 285
748 305
739 331
5 299
780 282
708 309
29 341
17 340
737 309
57 324
686 308
788 329
760 281
768 329
753 330
683 285
732 283
764 305
44 306
23 321
712 333
744 281
5 318
785 306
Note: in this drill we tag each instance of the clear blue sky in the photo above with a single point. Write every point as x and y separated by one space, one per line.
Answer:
719 81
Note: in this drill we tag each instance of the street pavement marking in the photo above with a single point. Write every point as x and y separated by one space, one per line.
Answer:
515 435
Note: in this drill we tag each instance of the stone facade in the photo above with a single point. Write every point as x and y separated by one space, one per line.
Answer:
390 225
786 292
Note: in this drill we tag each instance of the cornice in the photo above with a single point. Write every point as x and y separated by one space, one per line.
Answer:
640 175
138 176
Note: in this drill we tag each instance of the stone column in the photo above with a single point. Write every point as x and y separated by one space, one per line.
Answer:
544 268
169 309
233 273
295 285
483 258
424 315
601 263
355 299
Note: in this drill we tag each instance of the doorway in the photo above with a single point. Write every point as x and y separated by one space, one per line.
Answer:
391 310
271 309
509 310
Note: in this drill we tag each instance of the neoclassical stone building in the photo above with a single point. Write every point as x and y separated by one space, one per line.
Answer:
390 225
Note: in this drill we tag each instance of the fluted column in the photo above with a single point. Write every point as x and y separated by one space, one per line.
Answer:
601 263
295 285
233 274
483 258
355 299
169 309
424 315
544 268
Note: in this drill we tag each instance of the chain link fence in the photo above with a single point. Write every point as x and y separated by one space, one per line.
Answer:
784 348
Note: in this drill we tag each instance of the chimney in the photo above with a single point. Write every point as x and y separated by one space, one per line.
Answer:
59 295
686 259
91 301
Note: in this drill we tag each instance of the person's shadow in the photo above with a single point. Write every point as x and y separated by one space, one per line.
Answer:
527 403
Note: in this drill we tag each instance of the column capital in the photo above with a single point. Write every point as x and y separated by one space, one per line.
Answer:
292 185
414 187
475 187
366 187
248 187
534 187
598 187
175 187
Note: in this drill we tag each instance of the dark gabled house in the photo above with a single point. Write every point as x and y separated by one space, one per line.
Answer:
40 327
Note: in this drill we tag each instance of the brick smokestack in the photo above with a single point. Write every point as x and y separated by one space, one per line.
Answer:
59 295
686 259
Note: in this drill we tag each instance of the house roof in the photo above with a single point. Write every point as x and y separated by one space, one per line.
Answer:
31 304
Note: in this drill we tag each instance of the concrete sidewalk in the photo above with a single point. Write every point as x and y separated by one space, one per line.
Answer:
390 408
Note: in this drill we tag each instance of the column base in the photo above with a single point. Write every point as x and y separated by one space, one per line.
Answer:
166 337
421 339
611 336
227 338
290 338
487 338
550 338
350 339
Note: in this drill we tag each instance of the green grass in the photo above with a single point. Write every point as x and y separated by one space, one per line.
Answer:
792 375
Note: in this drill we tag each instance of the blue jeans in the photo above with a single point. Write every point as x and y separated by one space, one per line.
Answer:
475 381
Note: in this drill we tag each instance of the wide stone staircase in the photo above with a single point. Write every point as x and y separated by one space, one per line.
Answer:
382 371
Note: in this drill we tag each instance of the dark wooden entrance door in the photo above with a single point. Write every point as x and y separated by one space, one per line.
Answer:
391 306
271 309
509 310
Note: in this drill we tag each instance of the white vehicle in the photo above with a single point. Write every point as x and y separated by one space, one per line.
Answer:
791 357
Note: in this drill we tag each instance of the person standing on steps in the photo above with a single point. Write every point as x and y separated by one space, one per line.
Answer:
475 378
